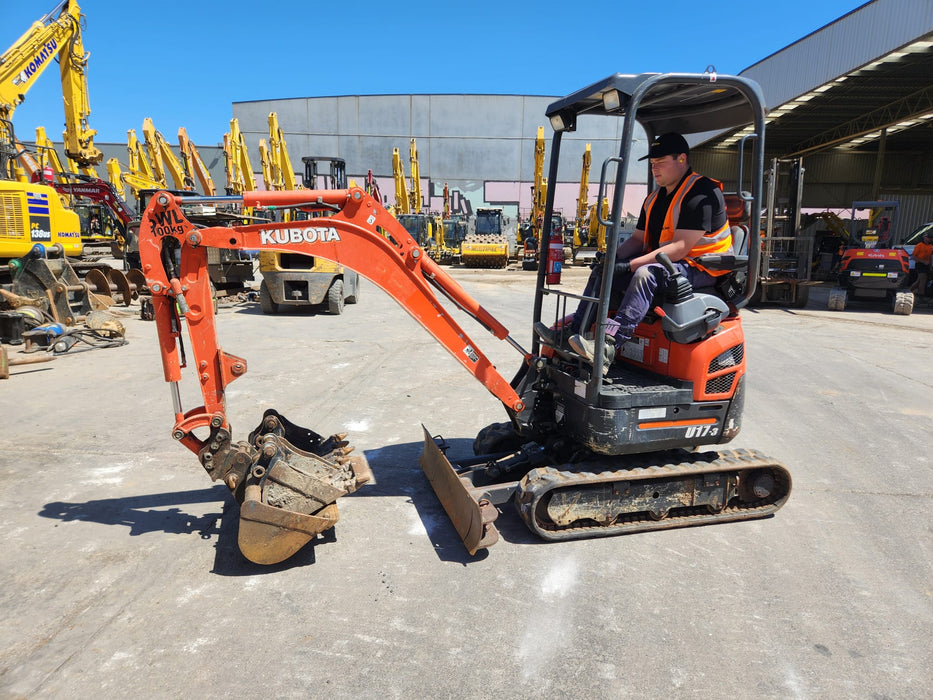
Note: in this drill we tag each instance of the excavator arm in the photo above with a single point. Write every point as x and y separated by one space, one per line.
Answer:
415 194
286 502
538 189
402 202
168 161
582 199
283 174
193 163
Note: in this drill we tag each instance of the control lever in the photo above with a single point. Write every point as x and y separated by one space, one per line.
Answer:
678 288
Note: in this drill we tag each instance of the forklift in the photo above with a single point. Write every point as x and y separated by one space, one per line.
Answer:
291 279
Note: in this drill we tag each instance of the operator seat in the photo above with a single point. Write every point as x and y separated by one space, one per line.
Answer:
731 287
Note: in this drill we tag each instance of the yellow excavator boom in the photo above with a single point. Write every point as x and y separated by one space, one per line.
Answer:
56 35
265 167
402 203
170 163
193 163
138 162
283 174
47 153
582 199
538 189
415 193
113 175
152 148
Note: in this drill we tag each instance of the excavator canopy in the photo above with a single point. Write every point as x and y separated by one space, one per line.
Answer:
684 103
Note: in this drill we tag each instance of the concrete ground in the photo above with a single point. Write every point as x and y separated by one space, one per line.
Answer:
121 576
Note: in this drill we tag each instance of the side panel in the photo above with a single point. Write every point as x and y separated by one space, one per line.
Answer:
31 214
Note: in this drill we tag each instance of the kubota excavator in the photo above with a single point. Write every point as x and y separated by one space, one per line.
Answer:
584 453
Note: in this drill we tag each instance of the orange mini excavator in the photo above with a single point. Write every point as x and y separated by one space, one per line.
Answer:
584 453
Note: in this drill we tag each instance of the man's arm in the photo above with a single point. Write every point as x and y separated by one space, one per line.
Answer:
632 245
676 249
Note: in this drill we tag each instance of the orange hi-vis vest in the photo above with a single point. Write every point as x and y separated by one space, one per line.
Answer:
714 242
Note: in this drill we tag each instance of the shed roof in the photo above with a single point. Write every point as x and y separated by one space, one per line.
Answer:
871 69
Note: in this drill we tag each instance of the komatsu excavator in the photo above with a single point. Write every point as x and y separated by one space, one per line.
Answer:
32 212
584 453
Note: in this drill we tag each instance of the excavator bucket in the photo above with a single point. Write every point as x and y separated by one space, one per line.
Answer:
471 513
292 486
269 535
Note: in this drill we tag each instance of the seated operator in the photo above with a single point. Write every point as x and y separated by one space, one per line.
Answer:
685 217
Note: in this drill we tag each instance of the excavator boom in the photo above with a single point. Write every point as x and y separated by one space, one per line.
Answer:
55 35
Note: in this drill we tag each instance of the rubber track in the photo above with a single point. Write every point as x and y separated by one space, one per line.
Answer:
538 483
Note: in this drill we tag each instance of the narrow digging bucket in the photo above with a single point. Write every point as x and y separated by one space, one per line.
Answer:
471 514
291 489
270 535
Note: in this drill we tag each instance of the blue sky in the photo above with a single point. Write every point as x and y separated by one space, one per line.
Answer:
185 63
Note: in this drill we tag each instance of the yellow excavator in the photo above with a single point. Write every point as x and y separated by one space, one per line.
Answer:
163 158
589 235
531 240
140 174
402 202
426 228
38 215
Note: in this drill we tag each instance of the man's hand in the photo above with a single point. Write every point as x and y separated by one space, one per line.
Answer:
621 267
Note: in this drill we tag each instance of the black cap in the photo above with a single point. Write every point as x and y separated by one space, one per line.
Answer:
667 144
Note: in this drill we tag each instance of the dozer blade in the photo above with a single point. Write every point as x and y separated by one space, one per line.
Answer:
471 514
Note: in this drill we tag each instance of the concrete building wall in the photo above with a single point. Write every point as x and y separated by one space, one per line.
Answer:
481 146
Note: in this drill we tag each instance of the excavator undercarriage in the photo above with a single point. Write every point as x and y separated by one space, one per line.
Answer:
602 495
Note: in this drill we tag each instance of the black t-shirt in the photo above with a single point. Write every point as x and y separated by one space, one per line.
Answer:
703 209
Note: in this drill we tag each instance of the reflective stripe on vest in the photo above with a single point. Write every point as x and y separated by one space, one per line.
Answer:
719 241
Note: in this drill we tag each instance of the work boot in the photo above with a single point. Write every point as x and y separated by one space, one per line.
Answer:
546 334
587 349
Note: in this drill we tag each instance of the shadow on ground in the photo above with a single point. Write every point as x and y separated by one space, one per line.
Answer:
397 474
